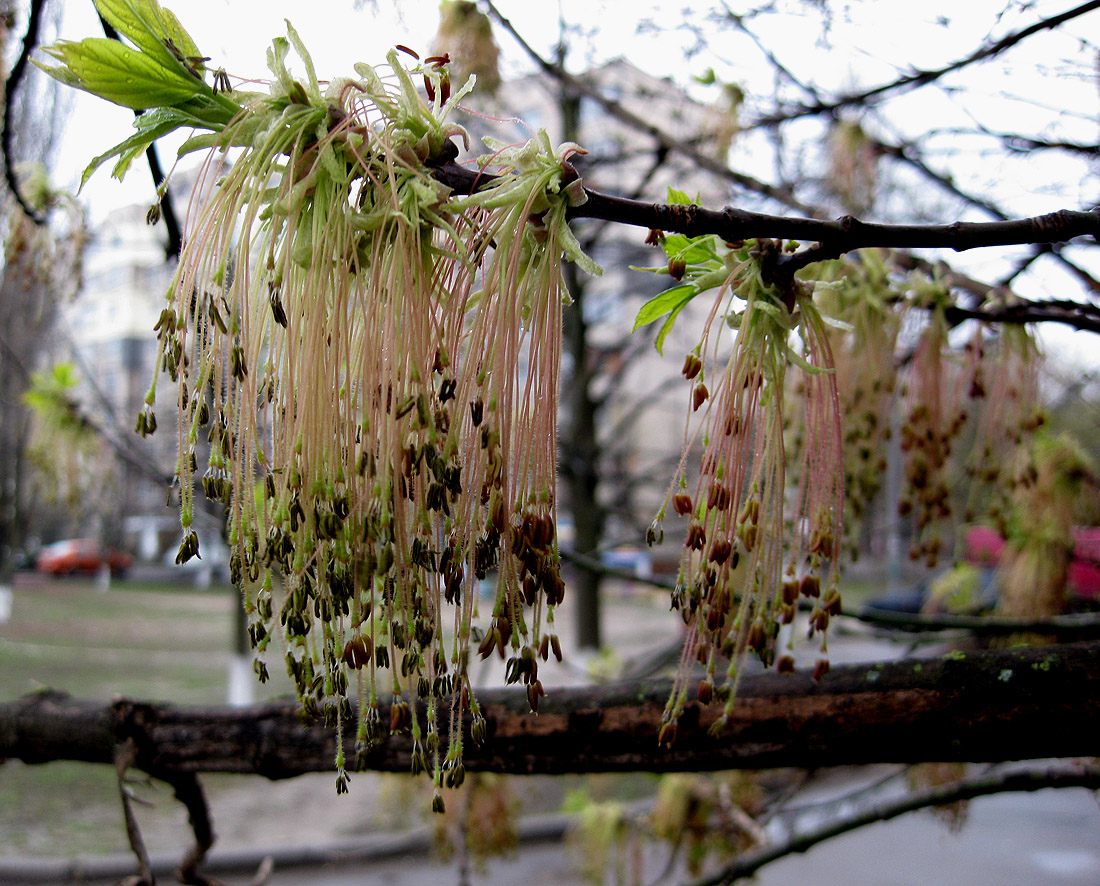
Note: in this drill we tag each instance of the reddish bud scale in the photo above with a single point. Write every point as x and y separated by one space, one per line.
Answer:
534 693
681 503
667 734
692 366
720 551
358 652
785 665
757 637
699 396
400 716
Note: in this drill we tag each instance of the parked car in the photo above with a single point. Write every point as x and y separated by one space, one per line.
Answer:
81 556
982 550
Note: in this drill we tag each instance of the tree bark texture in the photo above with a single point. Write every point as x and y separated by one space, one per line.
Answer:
981 706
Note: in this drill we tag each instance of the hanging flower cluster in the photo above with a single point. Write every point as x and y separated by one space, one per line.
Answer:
867 310
745 565
367 368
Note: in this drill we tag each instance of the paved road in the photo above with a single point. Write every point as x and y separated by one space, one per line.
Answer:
1050 837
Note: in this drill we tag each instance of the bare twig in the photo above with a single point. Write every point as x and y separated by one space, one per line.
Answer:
923 77
125 757
616 110
188 790
30 41
1067 775
1075 626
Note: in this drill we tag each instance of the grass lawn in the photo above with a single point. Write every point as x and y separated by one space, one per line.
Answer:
152 642
135 640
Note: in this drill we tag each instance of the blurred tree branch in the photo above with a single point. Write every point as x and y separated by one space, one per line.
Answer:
1062 775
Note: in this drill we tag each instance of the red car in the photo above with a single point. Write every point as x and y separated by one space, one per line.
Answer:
81 555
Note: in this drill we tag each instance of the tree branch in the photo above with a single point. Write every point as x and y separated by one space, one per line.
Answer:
837 237
7 136
616 110
1032 703
1080 315
923 77
1060 776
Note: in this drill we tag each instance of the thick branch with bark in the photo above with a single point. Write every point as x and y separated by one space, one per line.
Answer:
833 239
837 237
987 706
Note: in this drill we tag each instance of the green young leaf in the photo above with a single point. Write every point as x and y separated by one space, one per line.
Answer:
667 328
661 304
126 151
670 302
154 30
150 126
573 251
679 198
693 250
120 74
175 32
